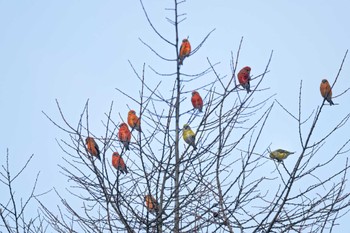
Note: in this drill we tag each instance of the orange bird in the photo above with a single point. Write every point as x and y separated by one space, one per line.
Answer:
134 121
118 163
326 91
197 101
151 203
244 78
124 135
185 50
92 147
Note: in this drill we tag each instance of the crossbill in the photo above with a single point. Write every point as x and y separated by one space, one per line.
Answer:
124 135
151 203
326 91
280 154
118 163
244 78
197 101
134 121
185 50
189 136
92 147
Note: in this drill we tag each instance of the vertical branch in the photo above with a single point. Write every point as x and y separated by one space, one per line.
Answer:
12 195
177 129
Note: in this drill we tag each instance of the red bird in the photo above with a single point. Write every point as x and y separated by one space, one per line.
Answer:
118 163
244 78
197 101
92 147
185 50
134 121
326 91
124 135
151 203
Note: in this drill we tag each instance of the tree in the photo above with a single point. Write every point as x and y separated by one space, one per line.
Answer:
13 207
227 185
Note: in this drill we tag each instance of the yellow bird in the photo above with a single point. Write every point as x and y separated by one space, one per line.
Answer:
280 154
189 136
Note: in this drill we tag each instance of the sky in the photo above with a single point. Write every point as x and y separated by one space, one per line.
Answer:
78 50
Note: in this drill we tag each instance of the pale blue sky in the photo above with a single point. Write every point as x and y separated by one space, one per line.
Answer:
75 50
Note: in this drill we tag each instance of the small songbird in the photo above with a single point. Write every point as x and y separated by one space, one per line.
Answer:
244 78
151 203
118 163
326 91
124 135
189 136
280 154
134 121
197 101
185 50
92 147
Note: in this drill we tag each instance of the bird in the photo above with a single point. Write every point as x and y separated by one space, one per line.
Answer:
151 203
326 91
185 50
118 163
124 135
133 121
244 78
189 136
197 101
92 147
280 154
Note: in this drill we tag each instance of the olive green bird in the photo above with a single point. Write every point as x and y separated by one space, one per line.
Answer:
189 136
280 154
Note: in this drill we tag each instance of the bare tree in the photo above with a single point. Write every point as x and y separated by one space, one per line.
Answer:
227 184
13 207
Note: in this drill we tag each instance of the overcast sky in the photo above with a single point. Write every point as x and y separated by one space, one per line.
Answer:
78 50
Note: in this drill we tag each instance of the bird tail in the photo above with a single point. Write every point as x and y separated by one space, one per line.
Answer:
181 58
269 150
247 86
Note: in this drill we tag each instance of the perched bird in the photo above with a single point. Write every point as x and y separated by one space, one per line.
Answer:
280 154
326 91
197 101
189 136
185 50
244 78
92 147
118 163
151 203
134 121
124 135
